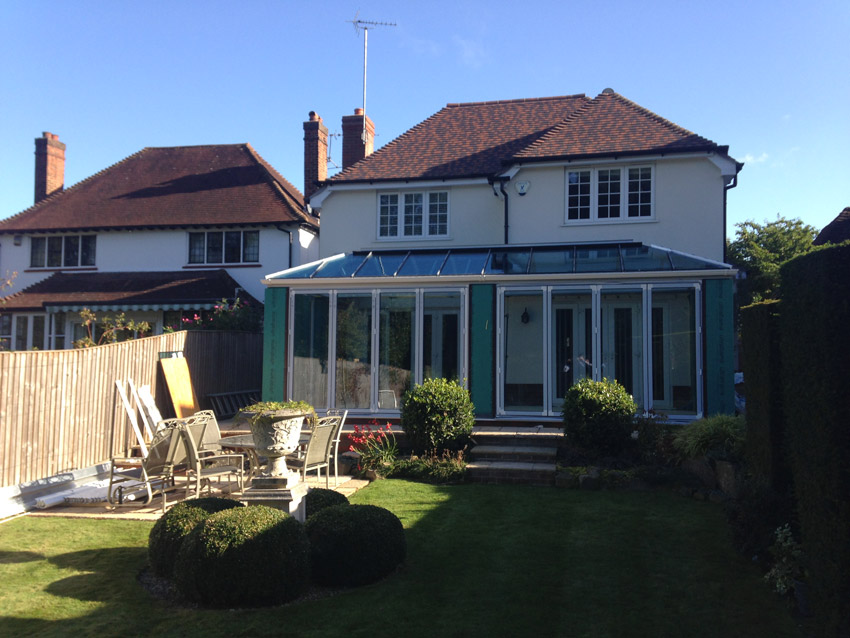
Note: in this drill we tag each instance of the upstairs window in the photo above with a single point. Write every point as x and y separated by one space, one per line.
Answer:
413 214
225 247
609 194
58 251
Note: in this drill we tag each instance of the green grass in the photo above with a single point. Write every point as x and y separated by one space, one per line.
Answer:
482 561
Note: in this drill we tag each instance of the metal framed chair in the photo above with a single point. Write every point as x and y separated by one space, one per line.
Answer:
202 467
131 477
342 414
318 451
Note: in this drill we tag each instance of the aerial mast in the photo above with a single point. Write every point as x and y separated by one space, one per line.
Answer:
365 25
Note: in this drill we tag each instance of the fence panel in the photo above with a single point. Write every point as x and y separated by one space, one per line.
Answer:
59 409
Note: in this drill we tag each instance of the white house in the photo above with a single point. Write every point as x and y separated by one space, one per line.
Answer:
163 233
520 246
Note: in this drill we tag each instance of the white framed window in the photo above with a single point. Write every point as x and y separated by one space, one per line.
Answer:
609 194
225 247
421 214
63 251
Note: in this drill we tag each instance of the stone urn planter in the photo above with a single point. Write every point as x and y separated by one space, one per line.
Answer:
276 434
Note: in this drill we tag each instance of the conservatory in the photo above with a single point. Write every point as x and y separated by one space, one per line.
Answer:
519 325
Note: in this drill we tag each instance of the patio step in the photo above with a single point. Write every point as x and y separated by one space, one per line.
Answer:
514 454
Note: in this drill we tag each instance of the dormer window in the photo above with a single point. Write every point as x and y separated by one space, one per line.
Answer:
225 247
609 194
68 251
413 214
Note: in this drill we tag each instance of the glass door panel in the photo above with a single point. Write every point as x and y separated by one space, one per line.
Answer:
396 358
310 349
353 350
522 364
622 340
674 365
441 336
572 343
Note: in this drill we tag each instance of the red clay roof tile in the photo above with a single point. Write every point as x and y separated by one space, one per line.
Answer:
479 139
178 186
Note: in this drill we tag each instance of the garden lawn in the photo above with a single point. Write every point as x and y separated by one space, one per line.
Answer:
483 560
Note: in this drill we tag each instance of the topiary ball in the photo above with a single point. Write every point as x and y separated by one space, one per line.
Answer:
319 498
169 531
354 544
249 557
437 415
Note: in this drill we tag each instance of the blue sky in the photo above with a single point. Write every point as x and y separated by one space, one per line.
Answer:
770 79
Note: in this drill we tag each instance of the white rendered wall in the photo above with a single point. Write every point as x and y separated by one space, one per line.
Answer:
688 214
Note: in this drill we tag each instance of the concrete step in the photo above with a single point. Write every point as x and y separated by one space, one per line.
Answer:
517 436
533 473
527 453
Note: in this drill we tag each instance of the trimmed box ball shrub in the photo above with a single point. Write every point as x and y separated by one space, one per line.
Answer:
599 415
354 544
248 557
437 415
319 498
169 531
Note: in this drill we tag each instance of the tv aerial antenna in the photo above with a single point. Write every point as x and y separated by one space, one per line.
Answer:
365 25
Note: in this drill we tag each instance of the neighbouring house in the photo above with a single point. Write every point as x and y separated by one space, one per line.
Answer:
519 246
162 234
836 231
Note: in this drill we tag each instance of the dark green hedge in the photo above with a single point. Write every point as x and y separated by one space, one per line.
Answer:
815 346
765 449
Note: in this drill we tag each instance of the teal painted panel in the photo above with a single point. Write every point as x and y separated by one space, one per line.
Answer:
482 348
719 330
274 344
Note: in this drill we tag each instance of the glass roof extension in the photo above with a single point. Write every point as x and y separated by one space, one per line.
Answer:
502 260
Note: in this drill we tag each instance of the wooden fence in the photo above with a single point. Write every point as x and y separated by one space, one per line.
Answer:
59 409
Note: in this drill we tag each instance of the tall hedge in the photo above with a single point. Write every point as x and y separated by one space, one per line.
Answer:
815 346
765 449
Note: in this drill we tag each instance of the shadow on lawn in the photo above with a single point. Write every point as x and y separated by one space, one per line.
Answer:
109 576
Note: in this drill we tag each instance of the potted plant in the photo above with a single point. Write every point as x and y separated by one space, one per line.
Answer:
276 428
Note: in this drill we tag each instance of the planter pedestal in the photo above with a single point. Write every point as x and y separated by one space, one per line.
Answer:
276 434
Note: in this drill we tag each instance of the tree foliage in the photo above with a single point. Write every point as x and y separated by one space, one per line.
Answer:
760 249
109 329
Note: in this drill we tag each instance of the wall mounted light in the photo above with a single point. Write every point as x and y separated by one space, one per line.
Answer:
525 318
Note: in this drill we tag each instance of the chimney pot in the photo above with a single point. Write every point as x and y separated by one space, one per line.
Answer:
358 111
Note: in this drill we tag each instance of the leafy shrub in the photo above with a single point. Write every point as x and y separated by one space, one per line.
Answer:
246 557
169 531
274 406
787 561
354 544
719 437
599 415
448 468
754 517
319 498
654 437
437 415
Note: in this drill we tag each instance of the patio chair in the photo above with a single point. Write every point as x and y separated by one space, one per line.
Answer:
318 451
151 475
202 467
342 414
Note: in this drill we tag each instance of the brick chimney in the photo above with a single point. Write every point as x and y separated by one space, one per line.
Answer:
315 153
354 147
49 165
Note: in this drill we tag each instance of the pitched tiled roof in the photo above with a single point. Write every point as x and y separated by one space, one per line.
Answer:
464 140
610 124
836 231
188 288
481 138
179 186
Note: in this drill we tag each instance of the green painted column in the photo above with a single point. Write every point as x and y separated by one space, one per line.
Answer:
719 329
482 348
274 344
